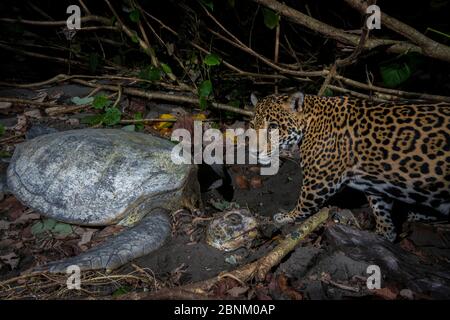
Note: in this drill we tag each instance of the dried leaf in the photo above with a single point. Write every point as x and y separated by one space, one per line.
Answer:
26 217
86 237
241 182
21 123
387 293
237 291
256 182
10 259
109 231
4 225
40 96
35 113
73 122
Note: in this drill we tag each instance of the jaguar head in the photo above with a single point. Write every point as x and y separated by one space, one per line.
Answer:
280 114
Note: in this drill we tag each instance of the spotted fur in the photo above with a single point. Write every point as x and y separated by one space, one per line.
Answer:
387 150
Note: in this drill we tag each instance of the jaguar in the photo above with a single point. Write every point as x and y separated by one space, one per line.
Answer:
390 151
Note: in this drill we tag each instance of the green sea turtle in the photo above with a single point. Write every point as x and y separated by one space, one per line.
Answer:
99 177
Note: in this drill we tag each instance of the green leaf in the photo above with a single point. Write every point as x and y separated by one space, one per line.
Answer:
101 101
93 62
215 125
62 229
208 3
112 116
2 129
139 126
43 226
328 92
80 101
212 59
92 120
205 88
134 15
395 74
166 68
231 3
271 19
150 73
203 103
120 291
5 154
135 37
223 205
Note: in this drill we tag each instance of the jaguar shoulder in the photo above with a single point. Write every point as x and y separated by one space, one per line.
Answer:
387 150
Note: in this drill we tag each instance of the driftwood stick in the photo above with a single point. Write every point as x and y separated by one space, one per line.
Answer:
257 269
166 97
131 91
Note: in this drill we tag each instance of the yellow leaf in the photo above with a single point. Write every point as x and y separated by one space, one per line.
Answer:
199 116
164 124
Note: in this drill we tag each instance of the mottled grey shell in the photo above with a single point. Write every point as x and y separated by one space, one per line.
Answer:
95 176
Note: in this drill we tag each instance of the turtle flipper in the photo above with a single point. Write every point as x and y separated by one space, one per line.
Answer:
148 235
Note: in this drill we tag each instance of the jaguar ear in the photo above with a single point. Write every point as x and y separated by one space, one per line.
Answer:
253 99
296 101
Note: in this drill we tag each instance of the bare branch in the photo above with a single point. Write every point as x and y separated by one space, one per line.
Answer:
429 47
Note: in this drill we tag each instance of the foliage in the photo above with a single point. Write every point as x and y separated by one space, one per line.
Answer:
51 225
94 62
139 126
134 15
101 101
212 59
110 115
204 91
395 74
150 73
82 101
271 19
208 3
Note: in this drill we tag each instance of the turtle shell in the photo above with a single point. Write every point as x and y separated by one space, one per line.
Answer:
95 176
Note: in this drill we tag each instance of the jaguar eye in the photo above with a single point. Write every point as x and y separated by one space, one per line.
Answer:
273 125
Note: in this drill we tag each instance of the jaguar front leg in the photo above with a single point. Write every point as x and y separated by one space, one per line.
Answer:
313 195
381 208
